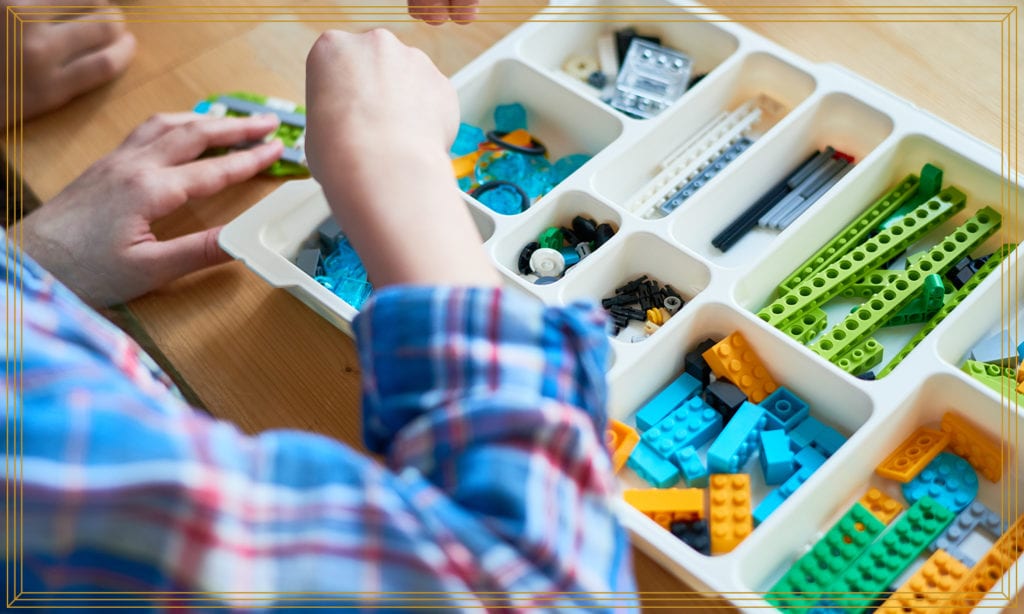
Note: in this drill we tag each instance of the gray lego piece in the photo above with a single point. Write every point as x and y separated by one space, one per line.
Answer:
328 232
974 518
294 155
253 108
309 261
713 168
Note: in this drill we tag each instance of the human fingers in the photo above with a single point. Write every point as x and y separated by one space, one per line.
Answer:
165 261
462 11
434 12
209 176
185 142
89 71
88 33
156 126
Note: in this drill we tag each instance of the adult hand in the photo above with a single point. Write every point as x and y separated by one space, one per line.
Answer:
63 60
95 235
380 119
436 12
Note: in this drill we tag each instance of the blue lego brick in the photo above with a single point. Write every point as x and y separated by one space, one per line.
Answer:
948 479
785 408
777 460
671 397
767 505
649 465
1020 350
809 458
976 517
823 438
812 461
695 474
737 441
692 424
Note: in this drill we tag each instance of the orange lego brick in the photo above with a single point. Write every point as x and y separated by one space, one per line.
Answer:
931 588
983 576
730 511
621 439
882 506
463 165
733 359
973 444
913 454
668 505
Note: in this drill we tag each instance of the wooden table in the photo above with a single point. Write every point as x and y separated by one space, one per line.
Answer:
258 357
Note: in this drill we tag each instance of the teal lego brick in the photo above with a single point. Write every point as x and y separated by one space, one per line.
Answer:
808 461
733 447
694 423
812 433
830 281
775 456
652 467
695 474
682 389
881 306
929 185
861 357
808 326
882 563
951 303
855 233
830 556
785 409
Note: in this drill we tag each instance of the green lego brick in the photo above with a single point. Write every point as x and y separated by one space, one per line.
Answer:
808 326
883 305
950 304
861 357
931 183
828 558
872 282
924 306
822 286
853 234
287 134
1001 379
879 566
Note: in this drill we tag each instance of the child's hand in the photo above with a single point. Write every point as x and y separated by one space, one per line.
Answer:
436 12
65 59
380 120
95 235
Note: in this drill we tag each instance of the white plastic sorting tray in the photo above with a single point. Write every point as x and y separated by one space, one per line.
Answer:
824 105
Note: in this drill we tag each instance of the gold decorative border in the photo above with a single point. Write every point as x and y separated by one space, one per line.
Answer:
17 16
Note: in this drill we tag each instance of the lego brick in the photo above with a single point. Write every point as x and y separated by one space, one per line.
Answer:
1000 379
854 234
668 505
923 306
776 458
731 450
878 309
651 78
977 517
713 168
929 185
768 504
890 555
808 458
650 466
695 474
729 511
871 283
693 424
308 261
867 256
991 568
861 357
694 534
828 558
950 304
807 326
807 193
970 442
695 364
996 349
928 590
724 397
882 506
670 398
620 439
807 461
788 409
948 479
732 358
813 433
911 456
328 232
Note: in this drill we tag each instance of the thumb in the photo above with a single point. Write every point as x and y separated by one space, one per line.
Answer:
175 258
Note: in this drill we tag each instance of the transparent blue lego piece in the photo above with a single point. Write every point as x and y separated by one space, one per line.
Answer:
467 140
353 291
203 107
503 199
566 166
466 184
948 479
509 117
345 275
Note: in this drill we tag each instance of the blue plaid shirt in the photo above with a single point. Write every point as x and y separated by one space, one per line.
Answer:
488 409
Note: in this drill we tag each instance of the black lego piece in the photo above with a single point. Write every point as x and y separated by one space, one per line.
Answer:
724 397
603 234
868 376
584 227
598 79
524 257
695 364
694 534
624 38
570 237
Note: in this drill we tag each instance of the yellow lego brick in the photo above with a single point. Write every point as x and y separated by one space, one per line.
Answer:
882 506
668 505
729 511
929 590
621 439
970 442
913 454
991 567
733 359
463 165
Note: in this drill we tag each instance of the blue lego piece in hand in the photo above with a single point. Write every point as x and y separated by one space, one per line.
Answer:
509 117
948 479
467 140
737 441
671 397
650 465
